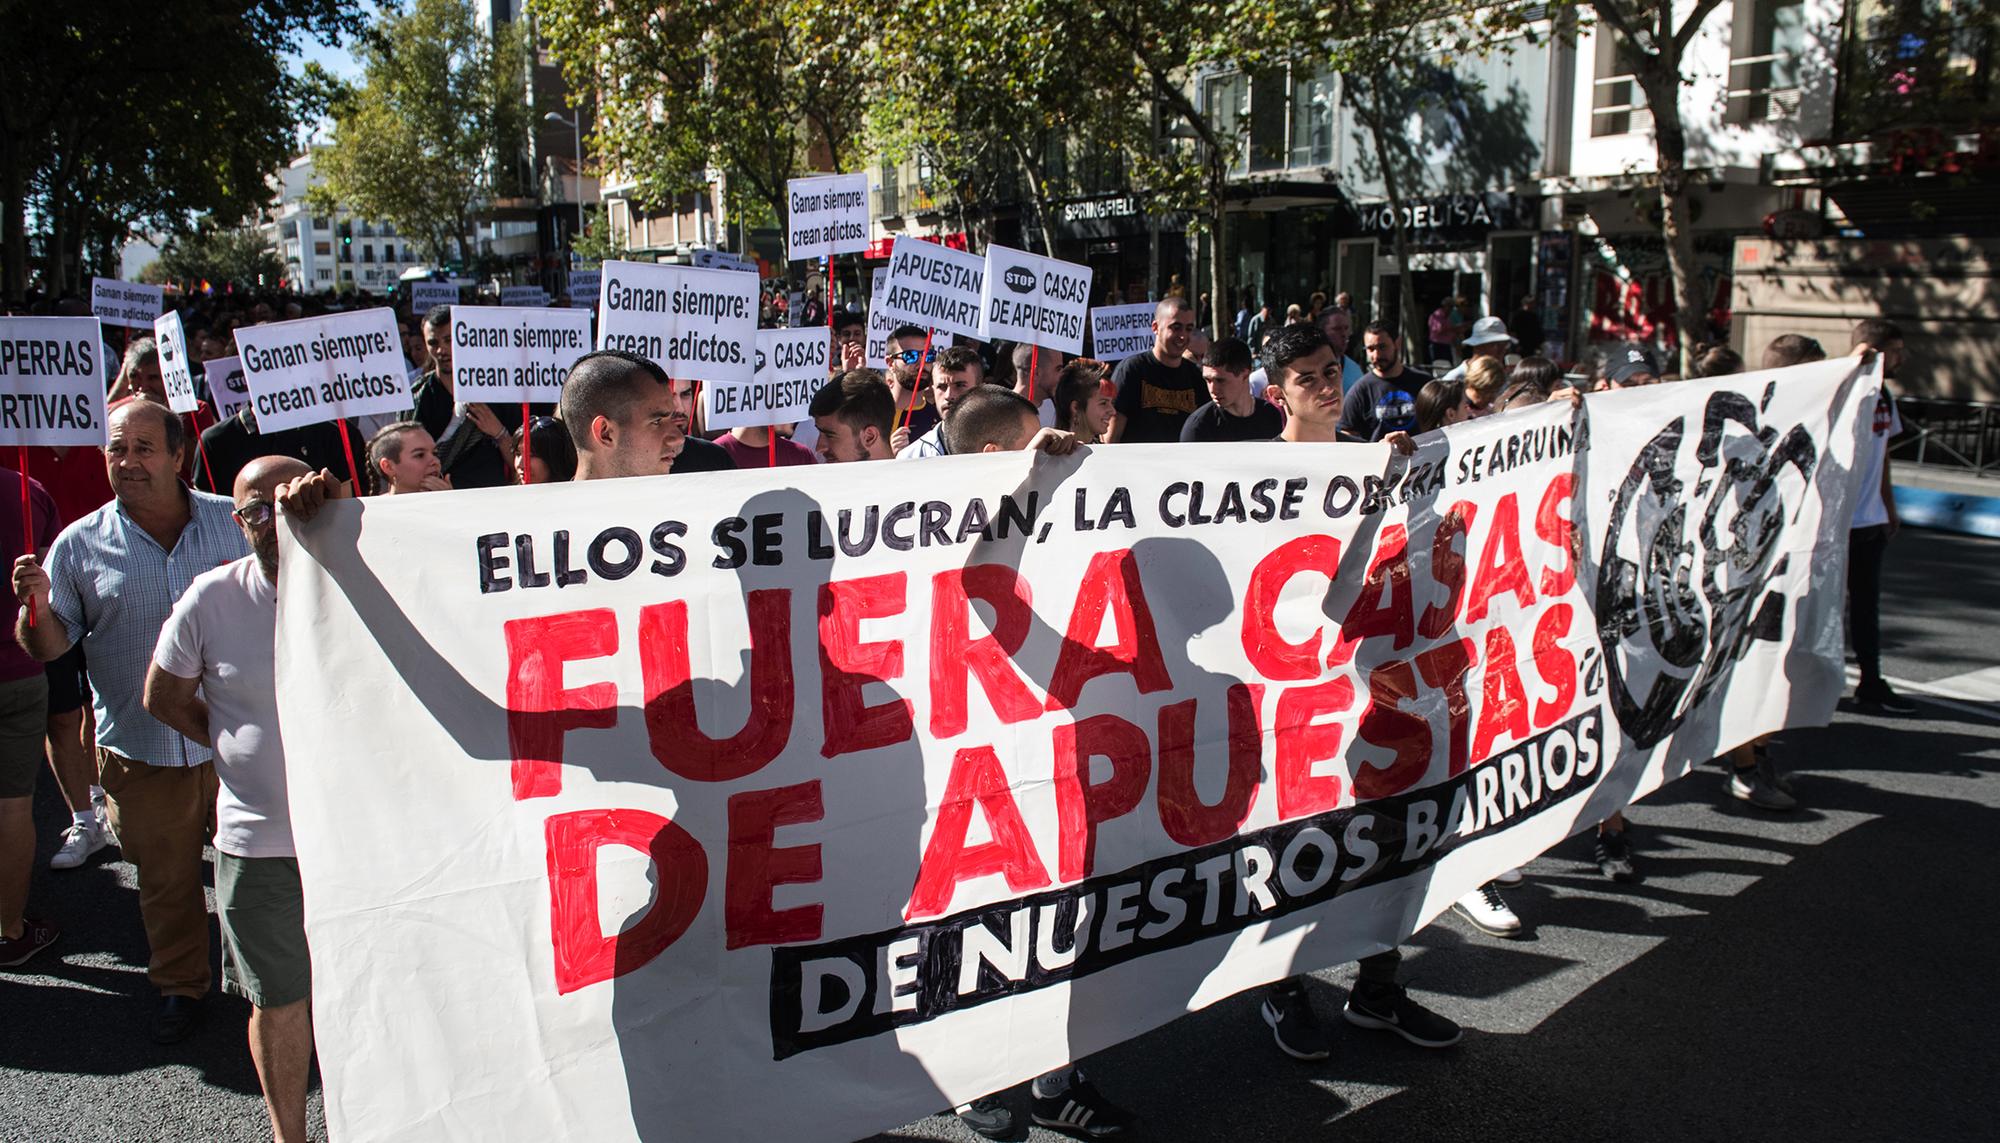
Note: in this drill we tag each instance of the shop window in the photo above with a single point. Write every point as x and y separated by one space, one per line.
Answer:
1617 105
1227 100
1269 110
1767 41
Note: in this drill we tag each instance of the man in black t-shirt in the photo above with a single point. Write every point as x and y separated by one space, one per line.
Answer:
1158 389
1232 413
1384 401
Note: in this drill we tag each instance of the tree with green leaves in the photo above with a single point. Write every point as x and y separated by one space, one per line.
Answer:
103 131
217 255
435 130
1655 43
763 93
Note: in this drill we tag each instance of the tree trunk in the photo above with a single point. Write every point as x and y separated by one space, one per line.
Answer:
13 220
1415 333
1677 228
1218 247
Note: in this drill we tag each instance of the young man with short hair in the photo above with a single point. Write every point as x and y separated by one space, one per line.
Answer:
1158 389
850 338
1384 401
1875 524
956 372
855 413
1232 412
1306 373
1036 372
1085 401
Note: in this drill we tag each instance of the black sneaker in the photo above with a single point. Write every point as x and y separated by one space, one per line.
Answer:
35 936
1080 1109
987 1116
1389 1008
1878 697
1614 856
1298 1032
1770 770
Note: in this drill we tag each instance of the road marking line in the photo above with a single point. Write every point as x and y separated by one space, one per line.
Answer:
1949 700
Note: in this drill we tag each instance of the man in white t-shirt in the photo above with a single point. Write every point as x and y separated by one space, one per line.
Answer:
214 680
1874 523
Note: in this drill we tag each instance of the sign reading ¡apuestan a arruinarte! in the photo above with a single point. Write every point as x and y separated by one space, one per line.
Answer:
322 368
698 325
424 295
1034 300
1119 332
791 367
226 387
51 381
933 286
802 809
828 215
176 371
523 296
514 353
133 305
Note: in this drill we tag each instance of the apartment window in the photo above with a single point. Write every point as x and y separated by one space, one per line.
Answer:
320 222
1312 120
367 252
323 249
1227 98
324 275
1617 105
1766 43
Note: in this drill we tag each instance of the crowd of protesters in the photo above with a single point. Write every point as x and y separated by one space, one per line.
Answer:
142 672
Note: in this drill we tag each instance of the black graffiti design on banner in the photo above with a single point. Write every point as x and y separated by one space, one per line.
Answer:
1675 621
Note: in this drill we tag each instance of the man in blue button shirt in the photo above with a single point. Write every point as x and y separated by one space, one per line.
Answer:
111 579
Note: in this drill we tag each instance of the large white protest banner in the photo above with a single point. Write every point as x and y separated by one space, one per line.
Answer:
802 812
696 324
227 390
1119 332
130 304
176 370
1034 300
828 215
424 295
791 367
511 354
934 286
880 325
523 296
51 381
322 368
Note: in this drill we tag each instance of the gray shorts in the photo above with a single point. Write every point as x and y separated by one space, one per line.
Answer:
24 723
263 913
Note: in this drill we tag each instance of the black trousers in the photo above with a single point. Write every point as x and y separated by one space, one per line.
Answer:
1865 548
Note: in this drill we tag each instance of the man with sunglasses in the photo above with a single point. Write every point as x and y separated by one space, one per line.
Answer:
909 369
214 679
110 580
1159 389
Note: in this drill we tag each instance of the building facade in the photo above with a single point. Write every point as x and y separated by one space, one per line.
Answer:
332 251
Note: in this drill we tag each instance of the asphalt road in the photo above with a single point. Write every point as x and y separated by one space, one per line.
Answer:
1822 974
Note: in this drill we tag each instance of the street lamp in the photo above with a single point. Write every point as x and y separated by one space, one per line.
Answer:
576 132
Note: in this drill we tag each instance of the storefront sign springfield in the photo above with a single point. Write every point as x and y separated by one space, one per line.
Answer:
1451 215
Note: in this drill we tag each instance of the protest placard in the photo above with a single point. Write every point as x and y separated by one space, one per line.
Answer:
523 296
323 368
934 286
1034 300
424 295
51 381
696 324
706 259
583 287
129 304
511 354
791 367
828 215
803 811
1119 332
227 390
176 371
880 324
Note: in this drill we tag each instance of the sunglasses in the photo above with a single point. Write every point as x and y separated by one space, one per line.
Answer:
257 513
911 356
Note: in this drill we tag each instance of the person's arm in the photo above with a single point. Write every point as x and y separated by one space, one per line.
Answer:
303 496
48 637
178 703
1888 486
1357 413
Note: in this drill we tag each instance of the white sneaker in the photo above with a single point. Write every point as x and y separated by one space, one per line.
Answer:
79 842
1488 912
1510 876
